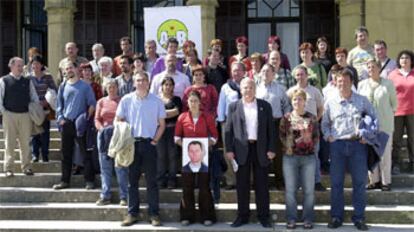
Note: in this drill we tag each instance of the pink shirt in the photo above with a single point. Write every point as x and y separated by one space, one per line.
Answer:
404 86
105 112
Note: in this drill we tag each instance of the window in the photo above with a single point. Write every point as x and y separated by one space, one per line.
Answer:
274 17
34 31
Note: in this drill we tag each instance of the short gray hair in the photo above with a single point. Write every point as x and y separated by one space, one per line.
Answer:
105 59
142 74
246 81
98 46
13 60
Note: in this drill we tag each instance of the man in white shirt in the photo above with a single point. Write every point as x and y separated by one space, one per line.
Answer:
181 80
250 141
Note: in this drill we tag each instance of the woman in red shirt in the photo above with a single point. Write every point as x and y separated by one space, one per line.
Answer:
208 93
196 124
88 78
242 44
403 79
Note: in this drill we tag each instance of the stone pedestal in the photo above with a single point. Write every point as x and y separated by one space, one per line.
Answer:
60 27
208 21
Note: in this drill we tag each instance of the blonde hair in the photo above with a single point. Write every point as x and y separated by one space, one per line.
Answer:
299 93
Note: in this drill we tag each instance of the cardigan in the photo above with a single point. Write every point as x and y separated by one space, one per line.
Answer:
205 126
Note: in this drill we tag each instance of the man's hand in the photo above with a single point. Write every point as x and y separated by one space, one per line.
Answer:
230 155
179 142
271 155
363 141
61 122
331 139
91 110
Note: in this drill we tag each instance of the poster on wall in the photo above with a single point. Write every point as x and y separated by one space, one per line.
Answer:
180 22
195 155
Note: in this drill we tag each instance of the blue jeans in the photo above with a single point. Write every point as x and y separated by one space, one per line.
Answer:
41 142
299 168
317 164
145 160
349 154
107 166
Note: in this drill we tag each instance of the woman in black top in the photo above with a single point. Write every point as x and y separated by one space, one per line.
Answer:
322 53
166 149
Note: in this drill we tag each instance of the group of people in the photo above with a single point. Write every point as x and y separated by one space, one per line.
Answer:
136 110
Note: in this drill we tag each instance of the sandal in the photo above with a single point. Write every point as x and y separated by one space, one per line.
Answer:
307 225
291 225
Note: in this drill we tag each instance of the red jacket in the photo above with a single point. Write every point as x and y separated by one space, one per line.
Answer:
205 126
209 99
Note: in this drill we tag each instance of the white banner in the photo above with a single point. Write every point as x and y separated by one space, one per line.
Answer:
182 23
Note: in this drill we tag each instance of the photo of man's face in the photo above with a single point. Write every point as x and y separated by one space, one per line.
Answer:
195 153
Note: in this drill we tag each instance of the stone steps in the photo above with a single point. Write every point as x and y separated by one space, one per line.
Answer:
169 212
114 226
54 133
49 167
46 180
398 196
54 154
53 144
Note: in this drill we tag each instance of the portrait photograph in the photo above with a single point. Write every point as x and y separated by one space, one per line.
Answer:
195 155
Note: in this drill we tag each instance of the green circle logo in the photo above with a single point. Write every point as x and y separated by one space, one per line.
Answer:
172 28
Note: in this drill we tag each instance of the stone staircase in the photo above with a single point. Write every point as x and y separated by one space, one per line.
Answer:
28 203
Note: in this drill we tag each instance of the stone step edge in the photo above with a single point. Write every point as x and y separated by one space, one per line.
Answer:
57 225
221 206
82 190
271 175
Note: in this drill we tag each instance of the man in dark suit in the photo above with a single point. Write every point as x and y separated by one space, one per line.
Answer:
196 154
250 139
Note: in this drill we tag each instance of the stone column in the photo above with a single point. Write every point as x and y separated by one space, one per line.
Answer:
208 21
60 29
349 20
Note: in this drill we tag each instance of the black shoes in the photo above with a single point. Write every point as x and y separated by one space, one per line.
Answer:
360 225
374 186
28 172
239 222
334 223
386 188
266 223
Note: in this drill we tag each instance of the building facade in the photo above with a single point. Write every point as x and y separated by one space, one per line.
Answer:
49 24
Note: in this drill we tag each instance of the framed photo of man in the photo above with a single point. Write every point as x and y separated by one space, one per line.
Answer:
195 155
